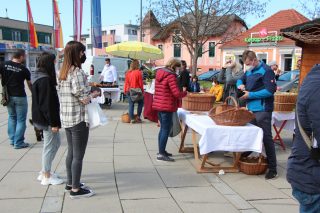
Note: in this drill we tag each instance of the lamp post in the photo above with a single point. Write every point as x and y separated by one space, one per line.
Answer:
140 20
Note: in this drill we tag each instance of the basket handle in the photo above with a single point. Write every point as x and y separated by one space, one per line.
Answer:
260 159
233 100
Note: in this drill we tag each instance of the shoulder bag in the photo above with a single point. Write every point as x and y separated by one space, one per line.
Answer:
5 98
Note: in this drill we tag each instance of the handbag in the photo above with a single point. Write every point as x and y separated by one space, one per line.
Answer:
5 98
136 94
176 127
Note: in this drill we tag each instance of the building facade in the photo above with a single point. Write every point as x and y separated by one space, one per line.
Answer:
14 34
112 35
266 40
165 39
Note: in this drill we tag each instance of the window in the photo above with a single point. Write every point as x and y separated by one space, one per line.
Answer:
89 46
129 31
160 46
177 50
104 33
200 52
47 39
16 36
105 44
212 49
112 32
134 32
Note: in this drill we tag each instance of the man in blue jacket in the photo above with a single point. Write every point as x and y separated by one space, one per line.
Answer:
258 84
303 170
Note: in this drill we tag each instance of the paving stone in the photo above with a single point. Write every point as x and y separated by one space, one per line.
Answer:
181 176
104 155
95 172
140 186
207 207
137 164
238 201
52 204
30 205
105 200
281 181
130 149
21 185
252 187
276 205
211 178
56 191
249 211
223 188
162 205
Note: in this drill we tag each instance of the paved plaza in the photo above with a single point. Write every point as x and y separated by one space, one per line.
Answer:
121 167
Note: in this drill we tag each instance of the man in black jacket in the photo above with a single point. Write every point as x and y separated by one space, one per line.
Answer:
304 163
184 77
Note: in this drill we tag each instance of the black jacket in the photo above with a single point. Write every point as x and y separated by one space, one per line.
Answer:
45 102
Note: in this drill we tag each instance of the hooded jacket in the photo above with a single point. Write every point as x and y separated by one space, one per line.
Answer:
45 101
167 92
303 172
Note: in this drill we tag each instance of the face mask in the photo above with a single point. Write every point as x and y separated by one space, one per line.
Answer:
213 84
177 71
249 67
83 58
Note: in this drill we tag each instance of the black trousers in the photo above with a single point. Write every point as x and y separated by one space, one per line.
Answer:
77 138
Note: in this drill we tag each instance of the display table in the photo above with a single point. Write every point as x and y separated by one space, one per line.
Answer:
148 112
280 121
217 138
111 93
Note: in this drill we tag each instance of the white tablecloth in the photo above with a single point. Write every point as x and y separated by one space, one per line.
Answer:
222 138
279 117
113 93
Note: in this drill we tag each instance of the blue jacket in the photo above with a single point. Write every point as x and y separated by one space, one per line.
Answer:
261 85
194 87
303 173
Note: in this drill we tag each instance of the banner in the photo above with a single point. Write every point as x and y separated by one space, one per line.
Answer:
96 32
58 36
77 19
33 39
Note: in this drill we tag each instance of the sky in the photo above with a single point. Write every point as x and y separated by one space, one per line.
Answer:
113 12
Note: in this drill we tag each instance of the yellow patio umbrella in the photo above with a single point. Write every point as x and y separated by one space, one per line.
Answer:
135 50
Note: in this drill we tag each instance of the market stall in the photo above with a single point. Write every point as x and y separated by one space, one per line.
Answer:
281 121
214 137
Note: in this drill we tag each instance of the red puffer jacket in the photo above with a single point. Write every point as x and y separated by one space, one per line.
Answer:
167 92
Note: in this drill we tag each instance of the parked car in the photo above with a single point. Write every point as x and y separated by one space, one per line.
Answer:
208 76
288 81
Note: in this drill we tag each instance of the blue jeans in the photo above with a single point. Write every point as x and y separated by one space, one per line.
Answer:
131 108
165 119
309 203
17 110
51 144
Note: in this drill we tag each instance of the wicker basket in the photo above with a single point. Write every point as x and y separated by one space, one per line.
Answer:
285 97
125 118
284 107
253 165
198 102
230 115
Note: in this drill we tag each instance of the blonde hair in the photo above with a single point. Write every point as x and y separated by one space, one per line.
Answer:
134 65
173 63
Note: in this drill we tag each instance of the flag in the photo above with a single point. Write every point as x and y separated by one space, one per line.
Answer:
77 19
96 23
32 29
58 36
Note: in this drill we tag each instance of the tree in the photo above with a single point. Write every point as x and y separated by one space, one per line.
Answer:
197 20
311 8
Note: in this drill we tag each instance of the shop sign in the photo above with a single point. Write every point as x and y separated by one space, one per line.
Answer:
264 36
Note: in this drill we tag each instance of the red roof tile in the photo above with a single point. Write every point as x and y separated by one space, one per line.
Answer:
279 20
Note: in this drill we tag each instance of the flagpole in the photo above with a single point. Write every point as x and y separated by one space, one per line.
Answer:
91 30
28 36
53 27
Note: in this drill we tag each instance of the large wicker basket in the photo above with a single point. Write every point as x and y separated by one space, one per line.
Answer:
230 115
253 165
285 97
125 118
284 107
198 102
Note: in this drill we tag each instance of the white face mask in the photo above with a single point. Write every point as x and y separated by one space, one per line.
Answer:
250 67
177 71
213 84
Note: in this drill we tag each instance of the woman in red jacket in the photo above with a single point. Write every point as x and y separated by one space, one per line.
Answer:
133 80
165 101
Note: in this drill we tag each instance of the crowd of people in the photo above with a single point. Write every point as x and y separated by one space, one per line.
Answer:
59 101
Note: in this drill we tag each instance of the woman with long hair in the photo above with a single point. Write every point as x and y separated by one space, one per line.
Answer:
133 80
75 94
165 101
46 114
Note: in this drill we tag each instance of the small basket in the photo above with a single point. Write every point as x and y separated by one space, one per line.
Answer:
285 97
230 115
198 102
253 165
125 118
284 107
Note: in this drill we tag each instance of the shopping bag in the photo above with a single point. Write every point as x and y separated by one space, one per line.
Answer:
176 127
96 116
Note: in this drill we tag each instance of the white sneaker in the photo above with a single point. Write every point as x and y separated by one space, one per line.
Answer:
40 176
51 181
